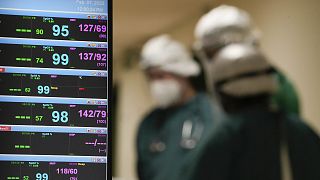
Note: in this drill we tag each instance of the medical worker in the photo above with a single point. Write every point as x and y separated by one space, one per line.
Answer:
170 136
256 141
226 25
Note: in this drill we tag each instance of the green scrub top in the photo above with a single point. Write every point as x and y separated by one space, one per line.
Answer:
165 146
246 146
286 98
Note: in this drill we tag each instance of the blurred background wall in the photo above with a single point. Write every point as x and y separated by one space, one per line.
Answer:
290 37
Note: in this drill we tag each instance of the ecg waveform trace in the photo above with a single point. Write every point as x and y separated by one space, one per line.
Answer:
42 143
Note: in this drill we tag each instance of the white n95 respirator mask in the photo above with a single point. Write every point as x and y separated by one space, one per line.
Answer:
165 92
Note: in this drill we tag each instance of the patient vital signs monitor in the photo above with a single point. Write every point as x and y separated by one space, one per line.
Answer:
54 89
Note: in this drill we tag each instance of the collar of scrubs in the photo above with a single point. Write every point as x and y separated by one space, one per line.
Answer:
190 104
187 141
256 110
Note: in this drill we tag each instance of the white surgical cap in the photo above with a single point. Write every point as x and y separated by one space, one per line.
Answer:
168 55
224 25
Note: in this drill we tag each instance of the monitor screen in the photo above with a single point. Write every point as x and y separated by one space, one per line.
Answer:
53 89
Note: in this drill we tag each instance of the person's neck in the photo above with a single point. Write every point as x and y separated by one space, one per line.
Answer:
188 94
244 104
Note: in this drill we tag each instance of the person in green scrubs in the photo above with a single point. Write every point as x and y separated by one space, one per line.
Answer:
225 25
169 137
255 141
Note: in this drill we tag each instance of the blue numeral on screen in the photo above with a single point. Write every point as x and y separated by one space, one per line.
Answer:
43 176
43 89
63 59
57 116
63 31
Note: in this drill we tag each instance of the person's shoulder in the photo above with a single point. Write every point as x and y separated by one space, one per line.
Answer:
150 118
146 125
304 146
296 122
300 128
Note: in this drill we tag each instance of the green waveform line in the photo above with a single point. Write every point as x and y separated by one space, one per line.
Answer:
24 30
23 59
13 178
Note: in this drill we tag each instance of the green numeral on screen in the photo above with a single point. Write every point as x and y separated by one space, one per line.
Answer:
39 60
39 31
38 118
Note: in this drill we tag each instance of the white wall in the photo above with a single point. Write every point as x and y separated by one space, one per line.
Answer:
134 102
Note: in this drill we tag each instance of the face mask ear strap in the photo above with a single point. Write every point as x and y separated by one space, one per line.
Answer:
199 52
205 65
